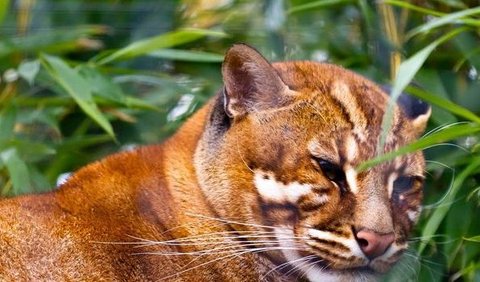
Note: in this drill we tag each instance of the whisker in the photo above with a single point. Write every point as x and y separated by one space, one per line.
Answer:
447 144
442 127
285 264
305 260
207 243
440 203
235 222
258 250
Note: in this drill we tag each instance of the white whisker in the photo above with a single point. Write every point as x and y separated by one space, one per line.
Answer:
257 250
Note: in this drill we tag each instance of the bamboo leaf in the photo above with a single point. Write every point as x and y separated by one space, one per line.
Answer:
316 5
17 170
4 4
57 40
407 5
406 72
444 104
104 87
8 117
455 131
473 239
166 40
77 87
185 55
448 19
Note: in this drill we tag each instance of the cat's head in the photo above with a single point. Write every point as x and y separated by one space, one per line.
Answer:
279 156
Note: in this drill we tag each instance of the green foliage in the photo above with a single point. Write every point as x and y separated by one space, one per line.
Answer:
81 79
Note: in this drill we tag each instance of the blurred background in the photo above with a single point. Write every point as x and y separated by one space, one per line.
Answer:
82 79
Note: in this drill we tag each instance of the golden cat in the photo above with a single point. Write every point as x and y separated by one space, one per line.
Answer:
259 185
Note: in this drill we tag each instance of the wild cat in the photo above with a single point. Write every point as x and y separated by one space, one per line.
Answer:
260 184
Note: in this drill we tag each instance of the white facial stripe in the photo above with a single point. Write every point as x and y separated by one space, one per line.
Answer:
351 176
352 148
391 179
275 191
350 243
320 199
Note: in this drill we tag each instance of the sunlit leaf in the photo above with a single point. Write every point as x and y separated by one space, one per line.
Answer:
450 133
473 239
410 6
447 19
167 40
316 5
77 87
4 5
444 104
186 55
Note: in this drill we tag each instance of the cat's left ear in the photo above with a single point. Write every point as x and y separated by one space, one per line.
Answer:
251 83
416 110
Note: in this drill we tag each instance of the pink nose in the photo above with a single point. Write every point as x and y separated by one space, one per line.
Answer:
374 244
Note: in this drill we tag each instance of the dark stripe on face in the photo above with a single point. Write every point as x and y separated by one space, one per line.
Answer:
328 254
334 245
279 212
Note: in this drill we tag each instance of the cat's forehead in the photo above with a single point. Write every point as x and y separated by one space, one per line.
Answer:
340 95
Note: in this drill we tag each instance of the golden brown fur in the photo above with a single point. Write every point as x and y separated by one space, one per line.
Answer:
126 217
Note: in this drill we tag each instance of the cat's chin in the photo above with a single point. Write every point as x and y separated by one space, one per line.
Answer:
320 273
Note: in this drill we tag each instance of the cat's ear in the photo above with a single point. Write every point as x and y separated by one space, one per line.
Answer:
416 110
251 82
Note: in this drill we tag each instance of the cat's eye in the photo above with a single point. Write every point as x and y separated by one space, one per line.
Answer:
332 171
403 184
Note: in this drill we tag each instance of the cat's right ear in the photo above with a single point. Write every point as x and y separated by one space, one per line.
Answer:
250 82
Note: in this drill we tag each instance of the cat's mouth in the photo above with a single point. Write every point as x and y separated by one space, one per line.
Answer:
325 266
372 268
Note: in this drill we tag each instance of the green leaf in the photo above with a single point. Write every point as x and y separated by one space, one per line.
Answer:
452 132
316 5
28 70
57 40
444 104
4 4
473 239
77 87
438 215
185 55
409 6
27 150
103 86
406 72
448 19
18 171
8 117
167 40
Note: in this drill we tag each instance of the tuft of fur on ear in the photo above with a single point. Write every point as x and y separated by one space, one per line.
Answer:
251 82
